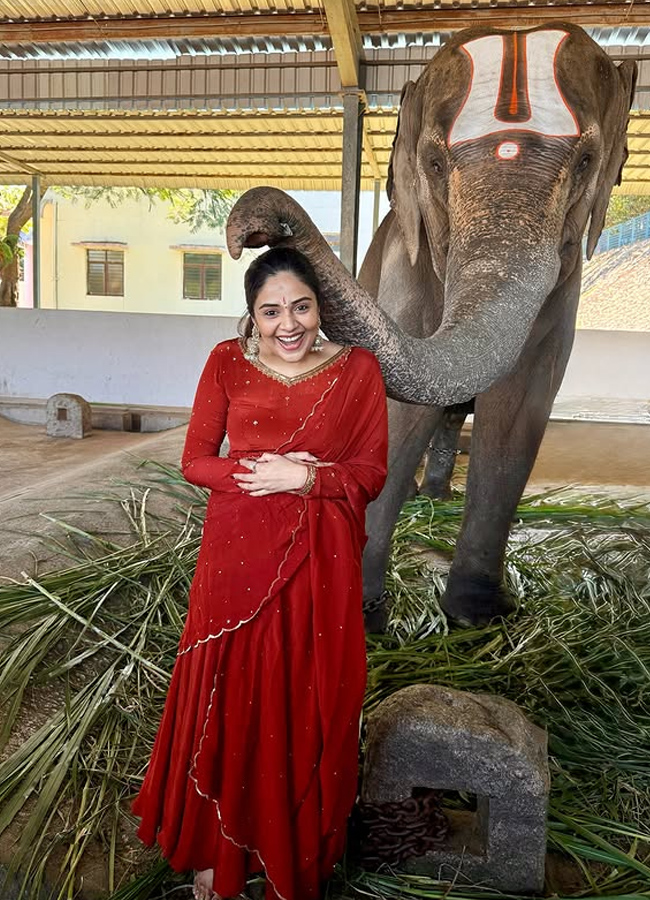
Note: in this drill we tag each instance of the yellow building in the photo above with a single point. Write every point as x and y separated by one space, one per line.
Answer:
133 258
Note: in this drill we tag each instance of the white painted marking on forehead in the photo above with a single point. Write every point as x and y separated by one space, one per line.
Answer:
508 150
523 67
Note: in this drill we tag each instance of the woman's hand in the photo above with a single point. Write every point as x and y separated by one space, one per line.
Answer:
272 474
300 456
304 457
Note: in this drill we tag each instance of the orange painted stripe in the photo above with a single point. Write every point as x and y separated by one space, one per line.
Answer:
514 106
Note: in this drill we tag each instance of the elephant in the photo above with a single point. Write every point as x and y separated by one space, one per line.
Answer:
440 456
507 147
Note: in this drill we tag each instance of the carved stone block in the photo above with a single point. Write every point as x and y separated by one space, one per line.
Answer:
67 415
427 736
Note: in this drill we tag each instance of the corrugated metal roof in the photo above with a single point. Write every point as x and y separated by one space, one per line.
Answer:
615 292
68 9
619 37
14 10
293 150
230 111
165 49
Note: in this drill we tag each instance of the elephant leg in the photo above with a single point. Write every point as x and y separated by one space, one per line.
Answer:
509 424
441 453
409 428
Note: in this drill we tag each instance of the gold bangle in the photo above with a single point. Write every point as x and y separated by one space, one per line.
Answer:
309 483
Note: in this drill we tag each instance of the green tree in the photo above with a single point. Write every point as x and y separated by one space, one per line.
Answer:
187 206
626 206
15 213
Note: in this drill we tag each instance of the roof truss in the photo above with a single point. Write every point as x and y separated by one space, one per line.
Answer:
226 120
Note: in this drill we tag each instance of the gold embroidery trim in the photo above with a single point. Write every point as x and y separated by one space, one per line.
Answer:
290 380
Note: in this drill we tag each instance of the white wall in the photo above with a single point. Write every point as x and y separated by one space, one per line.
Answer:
610 365
156 359
324 208
121 358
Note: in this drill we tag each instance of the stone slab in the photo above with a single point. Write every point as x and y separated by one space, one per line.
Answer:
68 415
427 736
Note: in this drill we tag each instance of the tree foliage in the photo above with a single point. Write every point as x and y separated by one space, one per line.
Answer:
187 206
626 206
16 210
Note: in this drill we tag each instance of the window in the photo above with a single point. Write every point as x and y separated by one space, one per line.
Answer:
105 273
202 276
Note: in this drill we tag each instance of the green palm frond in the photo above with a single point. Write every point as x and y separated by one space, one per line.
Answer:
98 640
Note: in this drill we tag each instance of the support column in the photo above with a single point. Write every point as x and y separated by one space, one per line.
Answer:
375 207
36 241
351 176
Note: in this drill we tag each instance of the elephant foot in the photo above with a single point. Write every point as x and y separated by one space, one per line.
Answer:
436 491
474 600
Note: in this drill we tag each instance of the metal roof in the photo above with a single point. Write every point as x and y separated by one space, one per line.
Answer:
235 93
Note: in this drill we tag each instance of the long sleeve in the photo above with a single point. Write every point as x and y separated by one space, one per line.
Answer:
361 476
201 463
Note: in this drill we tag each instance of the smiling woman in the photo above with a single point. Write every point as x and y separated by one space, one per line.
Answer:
283 312
255 762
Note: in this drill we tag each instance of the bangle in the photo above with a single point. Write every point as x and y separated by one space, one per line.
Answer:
309 483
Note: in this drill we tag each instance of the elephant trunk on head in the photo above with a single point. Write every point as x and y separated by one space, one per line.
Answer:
485 324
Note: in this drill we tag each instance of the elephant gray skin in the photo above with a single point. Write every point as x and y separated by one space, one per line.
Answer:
471 284
440 457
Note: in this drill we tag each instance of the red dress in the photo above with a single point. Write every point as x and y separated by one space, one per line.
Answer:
255 761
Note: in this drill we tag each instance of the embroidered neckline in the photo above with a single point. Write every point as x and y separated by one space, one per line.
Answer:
289 380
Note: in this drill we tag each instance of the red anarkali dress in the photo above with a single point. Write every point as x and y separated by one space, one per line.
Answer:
255 761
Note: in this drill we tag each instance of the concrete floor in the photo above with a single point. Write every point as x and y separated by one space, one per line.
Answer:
66 478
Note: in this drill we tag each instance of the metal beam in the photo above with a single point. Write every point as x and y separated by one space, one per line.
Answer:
36 241
51 169
351 175
381 21
375 206
17 164
346 39
369 151
66 154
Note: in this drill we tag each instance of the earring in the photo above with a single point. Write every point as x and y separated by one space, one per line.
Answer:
253 344
317 346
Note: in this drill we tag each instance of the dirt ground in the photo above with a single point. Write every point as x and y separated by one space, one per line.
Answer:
65 479
598 455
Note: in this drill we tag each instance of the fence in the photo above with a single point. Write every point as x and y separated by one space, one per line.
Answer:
636 229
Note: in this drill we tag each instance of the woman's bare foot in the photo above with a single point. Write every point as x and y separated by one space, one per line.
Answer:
203 886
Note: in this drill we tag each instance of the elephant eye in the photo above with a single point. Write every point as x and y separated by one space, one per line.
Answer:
437 167
584 163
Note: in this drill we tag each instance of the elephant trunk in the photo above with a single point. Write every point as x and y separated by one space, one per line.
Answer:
491 302
490 307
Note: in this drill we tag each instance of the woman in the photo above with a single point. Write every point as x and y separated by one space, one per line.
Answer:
255 763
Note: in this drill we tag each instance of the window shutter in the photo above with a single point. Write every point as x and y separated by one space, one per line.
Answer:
202 276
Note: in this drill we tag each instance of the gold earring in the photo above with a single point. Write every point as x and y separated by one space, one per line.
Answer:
317 346
253 344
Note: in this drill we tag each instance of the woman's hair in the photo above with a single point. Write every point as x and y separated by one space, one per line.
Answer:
265 266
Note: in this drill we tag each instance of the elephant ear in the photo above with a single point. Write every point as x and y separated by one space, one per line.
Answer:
402 169
613 165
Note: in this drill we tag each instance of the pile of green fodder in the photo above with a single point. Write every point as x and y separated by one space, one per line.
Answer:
98 641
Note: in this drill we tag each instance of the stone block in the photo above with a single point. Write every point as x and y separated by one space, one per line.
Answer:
67 415
427 736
